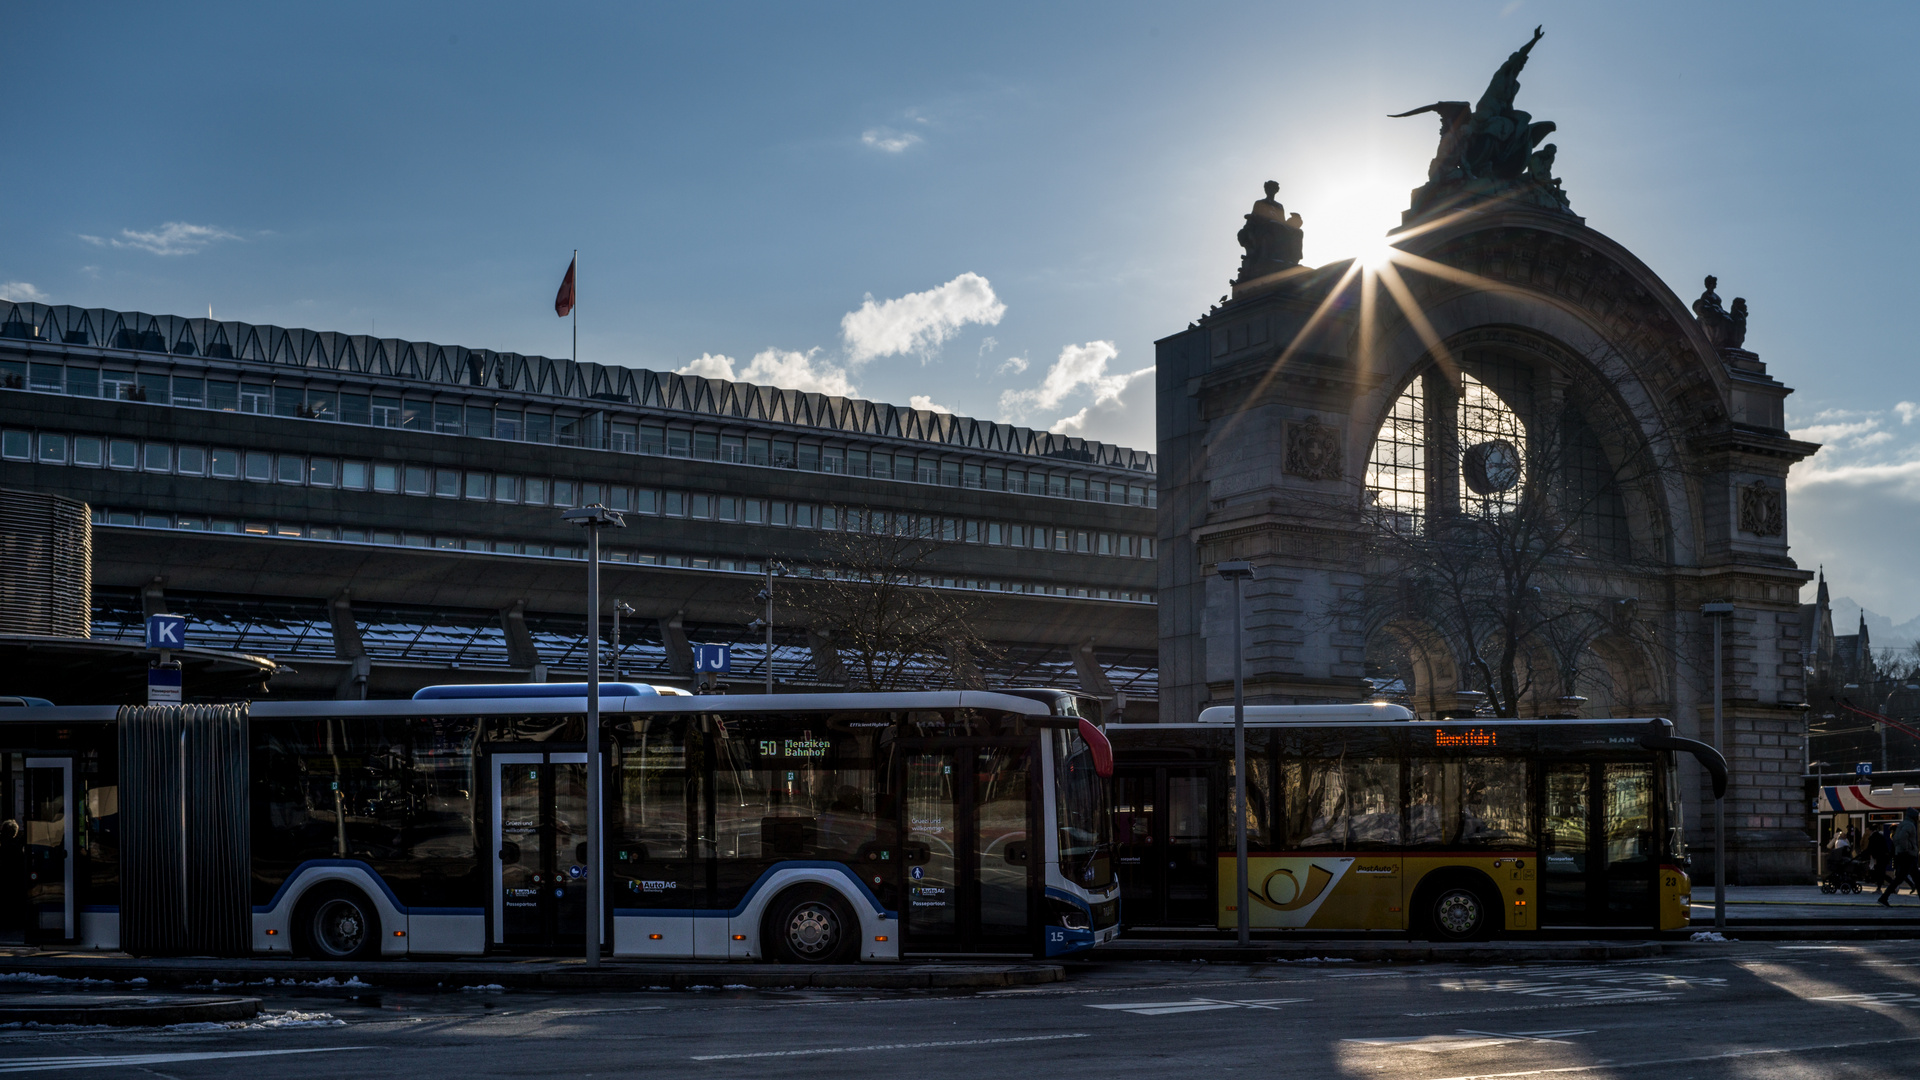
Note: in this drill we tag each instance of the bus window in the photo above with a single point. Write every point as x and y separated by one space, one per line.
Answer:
1342 804
793 787
1080 810
1468 803
1259 806
657 801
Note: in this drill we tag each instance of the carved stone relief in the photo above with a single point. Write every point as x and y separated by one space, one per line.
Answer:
1314 451
1762 511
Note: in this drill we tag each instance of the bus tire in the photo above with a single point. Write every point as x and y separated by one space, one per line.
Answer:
810 924
336 922
1459 909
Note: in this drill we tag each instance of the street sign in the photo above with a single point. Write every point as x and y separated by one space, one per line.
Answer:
1865 768
713 658
163 684
166 632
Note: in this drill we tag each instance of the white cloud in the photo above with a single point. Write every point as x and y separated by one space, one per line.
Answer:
988 344
798 371
1078 366
1014 365
919 322
1124 416
1907 410
173 238
709 366
1837 433
21 292
924 401
888 141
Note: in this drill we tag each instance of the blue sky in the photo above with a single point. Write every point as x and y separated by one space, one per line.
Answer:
994 208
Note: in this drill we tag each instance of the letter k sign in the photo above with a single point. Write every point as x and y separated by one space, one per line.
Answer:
166 632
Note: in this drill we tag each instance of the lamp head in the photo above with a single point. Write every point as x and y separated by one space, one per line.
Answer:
594 516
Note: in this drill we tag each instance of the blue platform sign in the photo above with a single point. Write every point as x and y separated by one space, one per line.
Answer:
715 658
1864 768
163 685
166 632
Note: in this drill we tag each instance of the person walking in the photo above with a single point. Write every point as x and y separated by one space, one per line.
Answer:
1906 855
1878 849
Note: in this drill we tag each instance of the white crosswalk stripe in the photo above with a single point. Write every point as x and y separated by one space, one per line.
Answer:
122 1061
1167 1008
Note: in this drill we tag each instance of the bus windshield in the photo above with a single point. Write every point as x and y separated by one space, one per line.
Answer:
1086 839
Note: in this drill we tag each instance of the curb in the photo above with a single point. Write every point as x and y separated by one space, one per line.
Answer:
125 1011
575 975
1477 952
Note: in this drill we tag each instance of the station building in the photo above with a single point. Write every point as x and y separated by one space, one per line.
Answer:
375 515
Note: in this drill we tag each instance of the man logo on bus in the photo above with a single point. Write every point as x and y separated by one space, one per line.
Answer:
1288 895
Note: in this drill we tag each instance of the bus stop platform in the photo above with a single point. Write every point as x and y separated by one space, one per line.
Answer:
542 973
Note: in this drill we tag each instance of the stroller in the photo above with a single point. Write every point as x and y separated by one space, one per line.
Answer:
1846 874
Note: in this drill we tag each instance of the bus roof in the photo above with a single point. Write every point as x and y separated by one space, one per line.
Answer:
1308 714
1375 721
543 690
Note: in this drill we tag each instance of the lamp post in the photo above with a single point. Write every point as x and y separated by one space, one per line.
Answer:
593 518
1236 572
1718 614
765 596
620 607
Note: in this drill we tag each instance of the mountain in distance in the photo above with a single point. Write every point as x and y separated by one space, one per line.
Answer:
1881 629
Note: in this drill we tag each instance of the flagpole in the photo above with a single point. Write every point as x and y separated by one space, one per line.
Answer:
575 267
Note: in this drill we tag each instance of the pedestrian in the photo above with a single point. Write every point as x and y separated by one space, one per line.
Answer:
1906 855
1878 849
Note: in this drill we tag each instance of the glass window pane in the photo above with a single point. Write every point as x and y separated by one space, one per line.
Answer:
446 483
353 475
479 421
506 488
563 493
192 460
259 467
321 405
446 418
53 448
83 382
416 480
386 477
17 445
45 377
477 485
159 458
292 469
386 412
289 401
123 453
226 464
87 450
320 472
536 492
354 409
153 390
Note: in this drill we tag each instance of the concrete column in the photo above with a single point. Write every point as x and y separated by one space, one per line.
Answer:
1093 677
521 652
679 653
348 646
826 659
153 598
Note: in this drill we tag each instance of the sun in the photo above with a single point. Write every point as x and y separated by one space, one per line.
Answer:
1375 254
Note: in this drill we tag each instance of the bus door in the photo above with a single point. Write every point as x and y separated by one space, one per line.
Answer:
1166 848
970 862
541 862
47 833
1598 844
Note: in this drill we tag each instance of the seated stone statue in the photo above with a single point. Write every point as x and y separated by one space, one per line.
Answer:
1271 238
1737 318
1715 321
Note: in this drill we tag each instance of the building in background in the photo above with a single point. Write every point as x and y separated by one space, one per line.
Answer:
377 515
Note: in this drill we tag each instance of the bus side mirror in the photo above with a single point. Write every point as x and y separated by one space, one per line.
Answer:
1017 852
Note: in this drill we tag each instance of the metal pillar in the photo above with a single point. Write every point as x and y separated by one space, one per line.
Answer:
1235 573
1718 614
595 518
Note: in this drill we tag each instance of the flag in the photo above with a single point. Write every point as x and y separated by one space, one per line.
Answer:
563 300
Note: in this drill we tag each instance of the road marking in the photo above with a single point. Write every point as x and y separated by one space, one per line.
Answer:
1728 1055
1168 1008
885 1046
48 1064
1468 1039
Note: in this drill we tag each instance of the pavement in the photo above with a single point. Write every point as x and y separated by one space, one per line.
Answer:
1806 1010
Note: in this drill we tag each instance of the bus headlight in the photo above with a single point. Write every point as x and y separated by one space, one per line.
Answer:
1068 916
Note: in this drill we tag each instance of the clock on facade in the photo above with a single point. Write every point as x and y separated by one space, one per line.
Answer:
1491 467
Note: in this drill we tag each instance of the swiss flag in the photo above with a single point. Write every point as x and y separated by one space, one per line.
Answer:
563 300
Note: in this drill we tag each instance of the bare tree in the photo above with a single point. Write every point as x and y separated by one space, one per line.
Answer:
873 598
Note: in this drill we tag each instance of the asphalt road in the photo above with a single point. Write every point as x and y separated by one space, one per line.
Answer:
1739 1010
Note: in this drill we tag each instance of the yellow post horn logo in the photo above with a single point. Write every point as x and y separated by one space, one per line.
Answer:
1318 878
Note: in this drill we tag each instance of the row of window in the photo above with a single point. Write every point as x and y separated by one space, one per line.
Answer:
294 531
597 430
221 463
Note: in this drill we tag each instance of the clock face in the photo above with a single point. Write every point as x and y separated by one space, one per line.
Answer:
1491 467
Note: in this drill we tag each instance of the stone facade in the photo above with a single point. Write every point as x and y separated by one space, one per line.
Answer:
1279 412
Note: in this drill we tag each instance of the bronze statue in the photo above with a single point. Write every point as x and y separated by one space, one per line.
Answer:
1272 238
1494 142
1725 329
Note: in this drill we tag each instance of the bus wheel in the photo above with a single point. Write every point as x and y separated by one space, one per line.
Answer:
1457 911
337 922
810 925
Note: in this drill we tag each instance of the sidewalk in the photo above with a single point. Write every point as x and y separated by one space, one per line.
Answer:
1803 905
531 974
1267 951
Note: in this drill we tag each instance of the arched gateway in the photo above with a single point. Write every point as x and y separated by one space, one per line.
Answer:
1502 469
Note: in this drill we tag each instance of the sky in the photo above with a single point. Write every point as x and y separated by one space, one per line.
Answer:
989 208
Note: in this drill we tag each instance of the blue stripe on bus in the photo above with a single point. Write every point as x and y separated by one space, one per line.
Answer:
310 864
741 908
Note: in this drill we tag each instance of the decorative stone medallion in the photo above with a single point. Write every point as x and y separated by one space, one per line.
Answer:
1313 451
1762 512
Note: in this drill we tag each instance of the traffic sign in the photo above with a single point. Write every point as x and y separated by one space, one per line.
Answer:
1864 768
714 658
166 632
163 684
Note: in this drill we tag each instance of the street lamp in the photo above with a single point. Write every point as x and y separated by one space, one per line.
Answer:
593 518
1235 572
1718 614
620 607
765 596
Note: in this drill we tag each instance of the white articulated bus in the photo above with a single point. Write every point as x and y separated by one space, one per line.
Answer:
799 828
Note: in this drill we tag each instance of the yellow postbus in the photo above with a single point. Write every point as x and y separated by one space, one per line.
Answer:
1360 817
